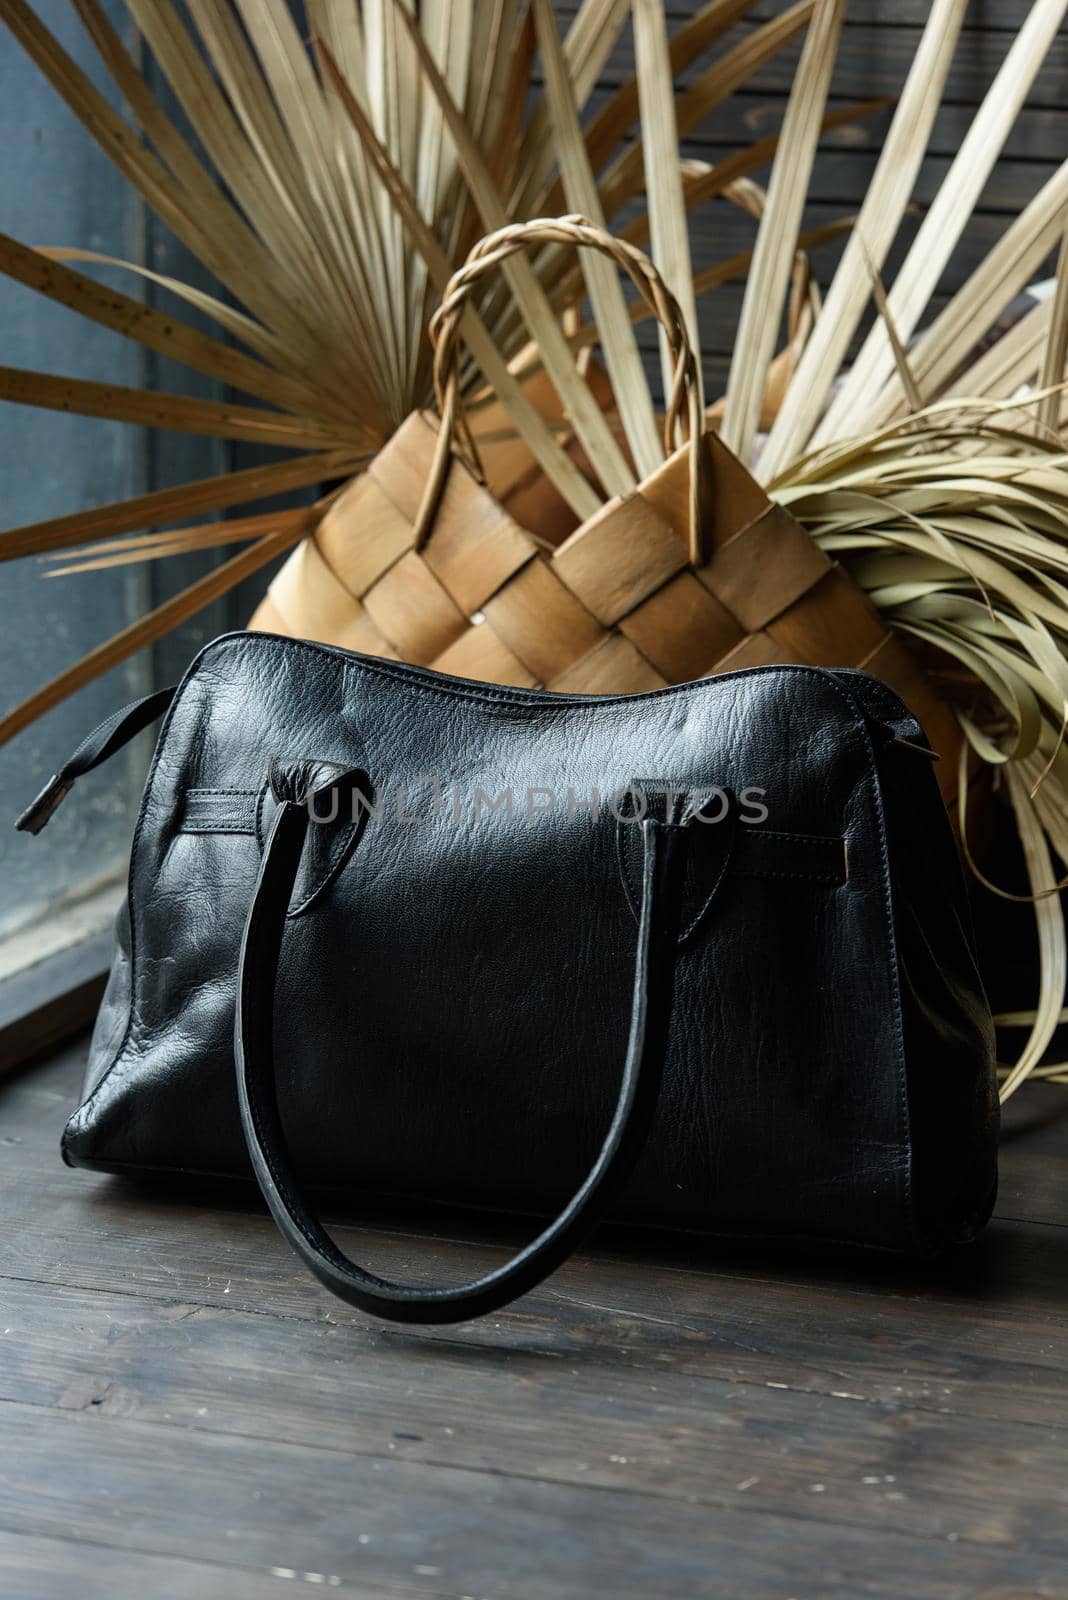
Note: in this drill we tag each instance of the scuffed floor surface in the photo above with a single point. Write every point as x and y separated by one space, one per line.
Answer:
186 1414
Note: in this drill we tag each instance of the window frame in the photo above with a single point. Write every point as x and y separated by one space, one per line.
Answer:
54 995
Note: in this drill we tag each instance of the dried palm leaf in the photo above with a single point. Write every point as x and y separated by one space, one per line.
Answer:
663 177
624 176
147 629
943 349
616 118
955 521
310 178
153 409
1056 352
946 218
884 205
181 541
777 240
702 182
589 43
591 426
546 450
602 280
185 500
1012 362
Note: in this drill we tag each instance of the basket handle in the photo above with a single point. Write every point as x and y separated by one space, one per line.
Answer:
484 258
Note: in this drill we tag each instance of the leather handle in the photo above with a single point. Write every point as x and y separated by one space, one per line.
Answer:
98 746
660 913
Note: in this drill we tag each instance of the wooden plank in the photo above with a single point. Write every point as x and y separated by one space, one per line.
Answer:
70 1569
842 173
987 16
874 60
710 1311
666 1416
446 1530
1034 1154
1039 134
720 230
984 16
452 1400
975 1334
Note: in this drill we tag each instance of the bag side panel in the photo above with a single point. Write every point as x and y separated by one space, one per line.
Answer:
949 1033
113 1018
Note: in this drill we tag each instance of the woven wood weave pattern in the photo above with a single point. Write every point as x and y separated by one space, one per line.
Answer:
616 608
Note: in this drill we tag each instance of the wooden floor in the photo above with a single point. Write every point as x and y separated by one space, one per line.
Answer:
185 1414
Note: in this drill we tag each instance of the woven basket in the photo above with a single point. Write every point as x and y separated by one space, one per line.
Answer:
694 572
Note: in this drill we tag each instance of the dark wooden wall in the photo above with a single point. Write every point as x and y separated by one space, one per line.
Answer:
879 41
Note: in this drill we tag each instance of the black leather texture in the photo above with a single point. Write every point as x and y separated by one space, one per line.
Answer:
455 983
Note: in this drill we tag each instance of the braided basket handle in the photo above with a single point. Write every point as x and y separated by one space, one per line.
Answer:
445 326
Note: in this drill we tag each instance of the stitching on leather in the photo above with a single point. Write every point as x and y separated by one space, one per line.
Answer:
413 677
333 860
860 735
814 840
632 886
206 794
193 829
261 838
833 878
216 821
895 987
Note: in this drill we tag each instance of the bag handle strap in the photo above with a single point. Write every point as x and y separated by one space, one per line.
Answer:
485 257
261 947
98 746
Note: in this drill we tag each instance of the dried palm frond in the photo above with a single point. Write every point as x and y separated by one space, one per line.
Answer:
780 223
663 176
884 206
1056 350
858 397
342 163
955 521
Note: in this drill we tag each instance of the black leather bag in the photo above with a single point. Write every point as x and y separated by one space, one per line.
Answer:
697 957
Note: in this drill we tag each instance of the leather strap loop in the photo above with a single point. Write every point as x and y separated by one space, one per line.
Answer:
98 746
660 911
